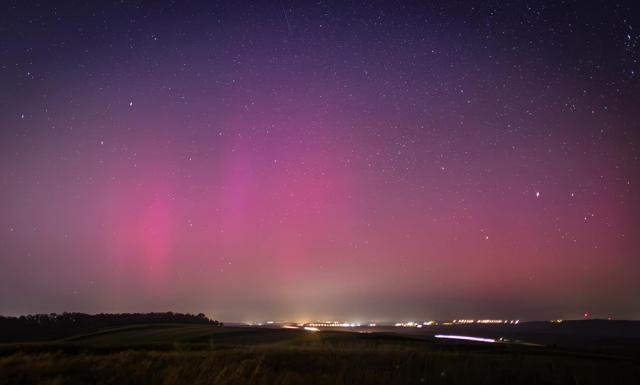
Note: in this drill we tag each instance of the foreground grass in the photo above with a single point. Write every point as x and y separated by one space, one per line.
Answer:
190 354
311 365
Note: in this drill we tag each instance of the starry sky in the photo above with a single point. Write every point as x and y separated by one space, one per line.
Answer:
321 160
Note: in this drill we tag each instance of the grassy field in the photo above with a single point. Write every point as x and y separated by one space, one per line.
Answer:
201 354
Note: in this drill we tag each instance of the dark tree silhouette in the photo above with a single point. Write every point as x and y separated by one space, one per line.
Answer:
52 326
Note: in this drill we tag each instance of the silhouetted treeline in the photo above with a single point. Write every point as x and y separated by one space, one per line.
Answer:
52 326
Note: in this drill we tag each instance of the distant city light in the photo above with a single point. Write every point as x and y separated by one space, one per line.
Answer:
336 324
484 321
466 338
410 324
311 329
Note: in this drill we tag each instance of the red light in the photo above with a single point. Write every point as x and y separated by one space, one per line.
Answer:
586 315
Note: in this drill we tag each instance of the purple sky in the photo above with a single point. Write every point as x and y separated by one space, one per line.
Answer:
276 160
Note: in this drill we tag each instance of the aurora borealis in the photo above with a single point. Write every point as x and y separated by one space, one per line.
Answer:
293 160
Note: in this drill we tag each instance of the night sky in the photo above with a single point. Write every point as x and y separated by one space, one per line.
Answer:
315 160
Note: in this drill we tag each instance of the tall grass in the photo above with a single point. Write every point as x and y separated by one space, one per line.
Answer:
312 364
